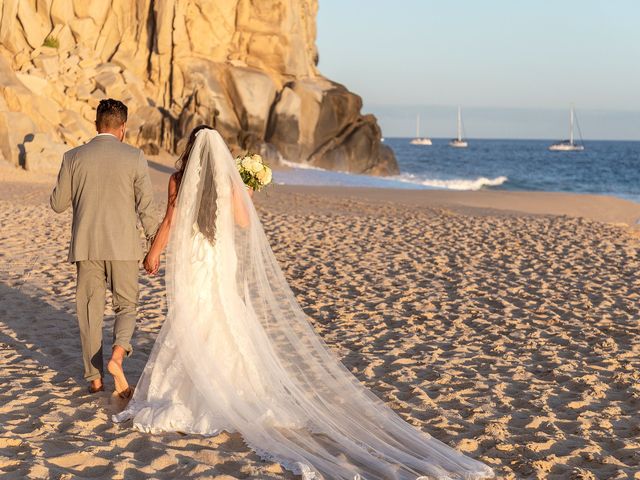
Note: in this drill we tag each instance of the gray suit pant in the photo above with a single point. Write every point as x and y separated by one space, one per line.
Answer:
94 276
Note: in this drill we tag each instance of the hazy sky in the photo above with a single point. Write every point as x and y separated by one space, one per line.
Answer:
514 66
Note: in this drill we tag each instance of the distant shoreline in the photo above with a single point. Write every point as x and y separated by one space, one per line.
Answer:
600 208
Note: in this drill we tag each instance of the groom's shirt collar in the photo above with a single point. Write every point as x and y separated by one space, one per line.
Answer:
102 134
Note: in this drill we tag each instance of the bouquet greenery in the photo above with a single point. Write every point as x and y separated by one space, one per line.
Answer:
254 172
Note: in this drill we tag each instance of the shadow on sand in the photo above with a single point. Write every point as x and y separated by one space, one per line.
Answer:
36 330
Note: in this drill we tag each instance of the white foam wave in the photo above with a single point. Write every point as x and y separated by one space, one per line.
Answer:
302 166
345 178
454 183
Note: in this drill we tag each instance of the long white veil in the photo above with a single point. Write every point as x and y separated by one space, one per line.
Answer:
237 353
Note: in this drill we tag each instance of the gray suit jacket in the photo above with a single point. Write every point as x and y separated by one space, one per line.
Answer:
107 183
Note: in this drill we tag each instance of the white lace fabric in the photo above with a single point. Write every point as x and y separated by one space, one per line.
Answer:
237 353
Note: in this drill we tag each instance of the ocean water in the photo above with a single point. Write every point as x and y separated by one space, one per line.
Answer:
604 167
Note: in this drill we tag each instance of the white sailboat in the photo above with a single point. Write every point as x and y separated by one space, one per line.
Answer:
420 140
459 142
569 145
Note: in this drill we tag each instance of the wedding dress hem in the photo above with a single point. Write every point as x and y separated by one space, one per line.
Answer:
295 467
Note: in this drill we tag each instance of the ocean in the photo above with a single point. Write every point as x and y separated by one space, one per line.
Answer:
604 167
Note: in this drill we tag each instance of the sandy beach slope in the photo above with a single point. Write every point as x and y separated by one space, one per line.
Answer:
499 322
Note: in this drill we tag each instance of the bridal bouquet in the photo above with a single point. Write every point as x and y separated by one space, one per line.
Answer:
254 172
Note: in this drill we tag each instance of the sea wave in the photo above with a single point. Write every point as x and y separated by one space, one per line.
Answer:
301 166
453 183
305 174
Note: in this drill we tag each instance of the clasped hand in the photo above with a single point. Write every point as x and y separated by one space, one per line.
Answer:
151 263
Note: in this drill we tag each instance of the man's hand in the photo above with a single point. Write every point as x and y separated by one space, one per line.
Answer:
152 263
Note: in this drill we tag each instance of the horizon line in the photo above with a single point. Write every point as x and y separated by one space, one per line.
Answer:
485 107
519 139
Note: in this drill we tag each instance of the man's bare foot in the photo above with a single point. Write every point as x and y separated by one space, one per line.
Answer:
115 369
96 386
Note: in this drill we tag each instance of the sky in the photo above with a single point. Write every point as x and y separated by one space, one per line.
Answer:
514 66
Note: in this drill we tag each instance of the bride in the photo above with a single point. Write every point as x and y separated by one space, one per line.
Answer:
237 353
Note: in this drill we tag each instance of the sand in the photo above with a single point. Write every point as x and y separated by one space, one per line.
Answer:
499 322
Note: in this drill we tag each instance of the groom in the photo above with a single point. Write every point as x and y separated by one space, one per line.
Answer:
107 183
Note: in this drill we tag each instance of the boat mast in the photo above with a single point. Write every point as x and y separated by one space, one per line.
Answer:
459 125
571 126
418 126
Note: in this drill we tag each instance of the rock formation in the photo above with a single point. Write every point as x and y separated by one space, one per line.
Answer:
246 67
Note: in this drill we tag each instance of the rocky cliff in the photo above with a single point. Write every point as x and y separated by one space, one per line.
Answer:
247 67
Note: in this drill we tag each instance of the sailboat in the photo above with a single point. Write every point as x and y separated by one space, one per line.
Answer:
569 145
420 140
459 142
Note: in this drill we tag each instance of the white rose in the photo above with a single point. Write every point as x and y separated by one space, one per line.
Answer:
267 176
256 166
261 176
246 163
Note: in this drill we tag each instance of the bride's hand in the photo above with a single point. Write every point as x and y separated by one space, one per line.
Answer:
152 263
250 192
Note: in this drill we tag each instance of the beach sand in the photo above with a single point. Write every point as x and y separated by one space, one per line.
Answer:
499 322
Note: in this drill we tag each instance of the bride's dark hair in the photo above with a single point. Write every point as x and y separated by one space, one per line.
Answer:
181 163
207 196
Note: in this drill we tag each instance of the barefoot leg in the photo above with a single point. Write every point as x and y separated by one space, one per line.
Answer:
115 369
96 385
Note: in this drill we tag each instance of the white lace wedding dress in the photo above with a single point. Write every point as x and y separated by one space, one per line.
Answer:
237 353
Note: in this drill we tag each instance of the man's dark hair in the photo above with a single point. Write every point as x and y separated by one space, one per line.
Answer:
111 114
